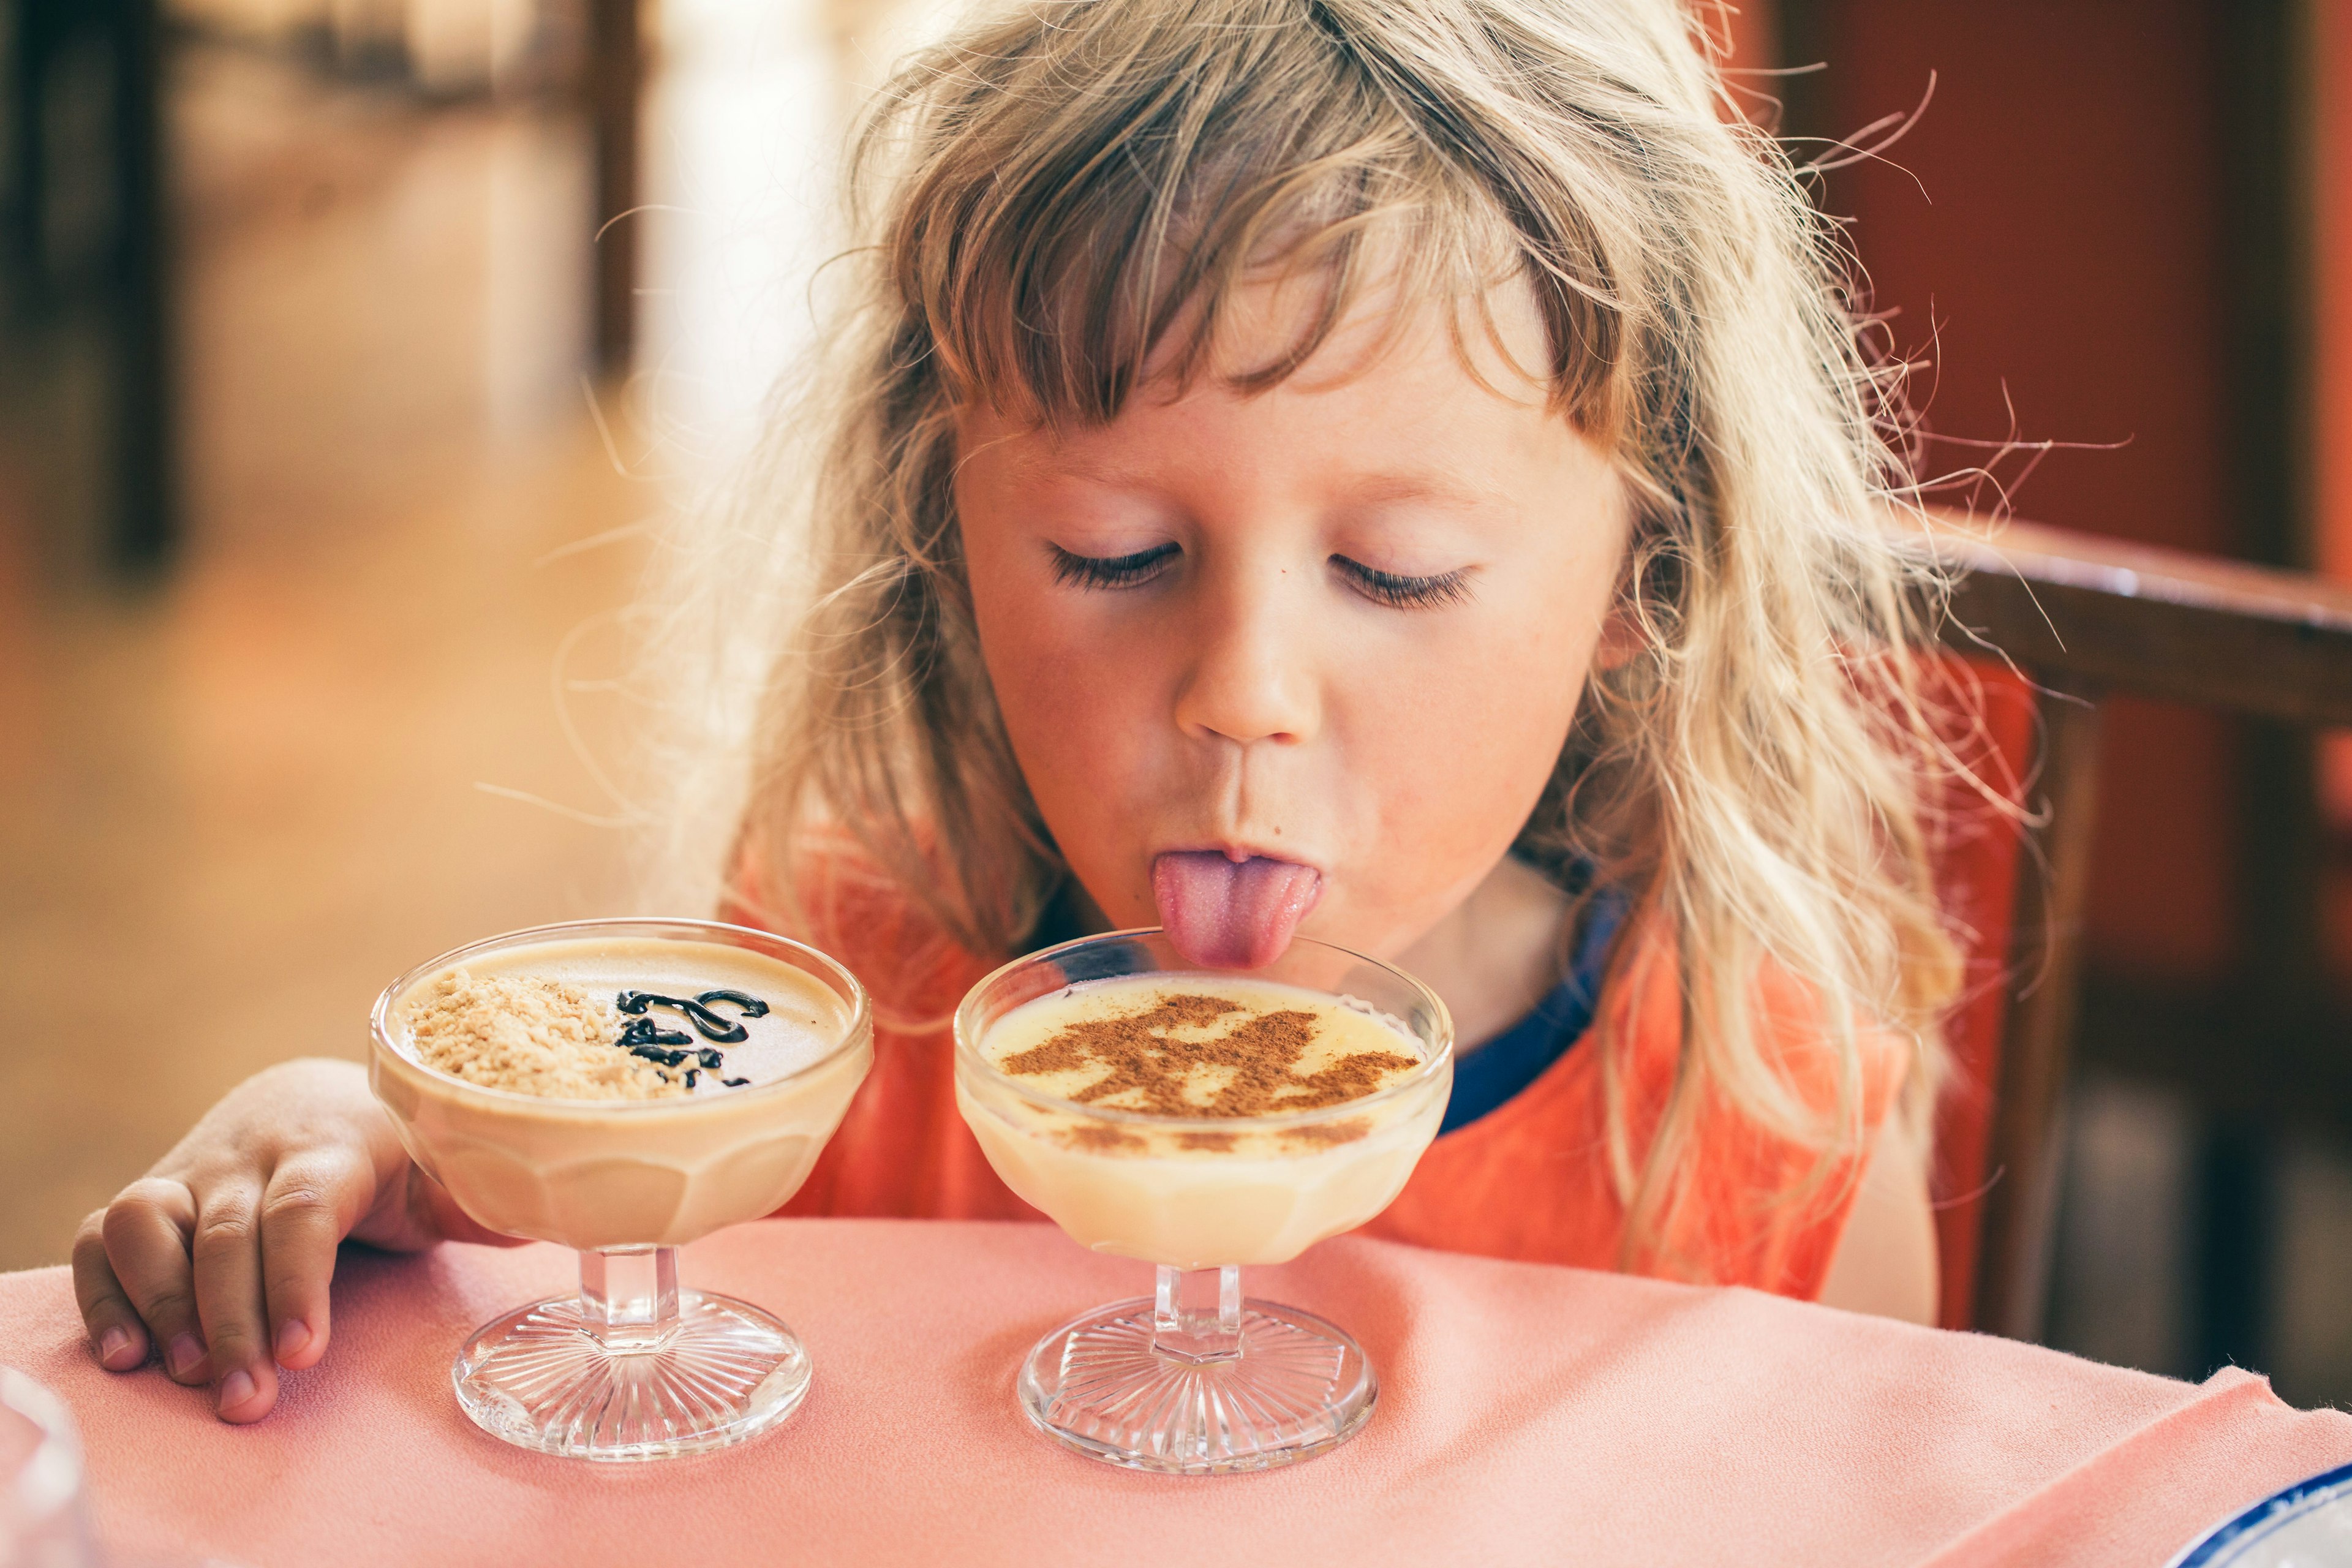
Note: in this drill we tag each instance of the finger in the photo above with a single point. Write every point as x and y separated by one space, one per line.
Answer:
145 1232
227 1264
115 1332
309 1205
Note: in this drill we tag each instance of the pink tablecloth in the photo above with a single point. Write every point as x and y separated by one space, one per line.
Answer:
1527 1415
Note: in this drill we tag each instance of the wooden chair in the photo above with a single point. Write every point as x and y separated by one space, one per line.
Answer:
2079 617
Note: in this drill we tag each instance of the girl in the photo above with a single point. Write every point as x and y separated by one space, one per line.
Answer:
1391 470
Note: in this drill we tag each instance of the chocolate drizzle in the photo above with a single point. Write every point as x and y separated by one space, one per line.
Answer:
642 1036
698 1011
645 1032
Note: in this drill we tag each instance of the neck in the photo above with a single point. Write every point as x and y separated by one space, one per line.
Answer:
1495 957
1069 914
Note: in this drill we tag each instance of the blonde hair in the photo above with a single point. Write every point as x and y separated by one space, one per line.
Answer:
1063 190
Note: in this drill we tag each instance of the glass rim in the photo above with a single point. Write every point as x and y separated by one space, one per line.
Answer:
52 1474
860 1025
967 1047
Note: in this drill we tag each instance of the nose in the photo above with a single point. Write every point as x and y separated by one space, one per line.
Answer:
1251 673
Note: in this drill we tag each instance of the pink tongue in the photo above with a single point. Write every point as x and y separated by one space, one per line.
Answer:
1229 914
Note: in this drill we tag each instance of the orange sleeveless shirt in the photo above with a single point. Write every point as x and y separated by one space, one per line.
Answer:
1529 1180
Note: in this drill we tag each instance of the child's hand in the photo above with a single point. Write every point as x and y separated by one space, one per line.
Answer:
220 1254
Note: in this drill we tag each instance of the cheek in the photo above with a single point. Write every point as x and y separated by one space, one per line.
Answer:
1074 705
1473 737
1465 735
1021 646
1074 698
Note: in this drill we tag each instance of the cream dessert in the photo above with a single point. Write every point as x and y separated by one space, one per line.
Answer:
1202 1120
600 1021
612 1091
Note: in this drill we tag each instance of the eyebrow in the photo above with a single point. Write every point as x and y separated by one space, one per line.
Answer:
1461 491
1446 488
1093 471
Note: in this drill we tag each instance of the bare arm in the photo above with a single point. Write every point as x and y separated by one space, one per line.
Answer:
1885 1262
220 1254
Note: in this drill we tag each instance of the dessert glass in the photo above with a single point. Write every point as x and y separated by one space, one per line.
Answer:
632 1367
1192 1379
42 1521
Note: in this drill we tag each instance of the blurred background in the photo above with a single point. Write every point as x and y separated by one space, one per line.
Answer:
346 347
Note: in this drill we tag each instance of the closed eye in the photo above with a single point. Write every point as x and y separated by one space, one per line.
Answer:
1401 592
1073 570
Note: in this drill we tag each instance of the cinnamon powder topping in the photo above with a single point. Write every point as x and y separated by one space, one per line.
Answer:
1330 1135
1150 1066
1096 1139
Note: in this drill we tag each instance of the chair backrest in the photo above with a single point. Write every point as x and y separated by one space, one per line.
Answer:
1980 854
2045 622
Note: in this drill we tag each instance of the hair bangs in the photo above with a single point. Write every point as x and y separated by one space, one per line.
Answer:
1056 268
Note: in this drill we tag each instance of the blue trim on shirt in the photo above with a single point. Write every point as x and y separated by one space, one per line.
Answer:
1495 1072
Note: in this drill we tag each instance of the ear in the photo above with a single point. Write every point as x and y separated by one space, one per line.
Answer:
1620 638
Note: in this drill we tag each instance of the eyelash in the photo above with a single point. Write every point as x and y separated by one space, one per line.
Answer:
1400 593
1073 570
1407 592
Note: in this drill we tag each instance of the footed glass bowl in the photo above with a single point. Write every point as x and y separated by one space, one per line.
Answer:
1193 1379
632 1367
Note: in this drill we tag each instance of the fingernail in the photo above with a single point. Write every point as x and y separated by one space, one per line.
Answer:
184 1355
112 1345
292 1335
234 1390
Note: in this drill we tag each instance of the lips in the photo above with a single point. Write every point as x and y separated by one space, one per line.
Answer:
1224 911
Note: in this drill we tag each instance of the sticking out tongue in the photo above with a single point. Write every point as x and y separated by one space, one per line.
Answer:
1224 913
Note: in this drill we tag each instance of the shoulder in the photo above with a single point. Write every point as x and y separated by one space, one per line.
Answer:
822 887
1796 1037
1761 1156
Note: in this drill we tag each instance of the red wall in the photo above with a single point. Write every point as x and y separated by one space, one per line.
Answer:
2047 235
2332 411
2332 212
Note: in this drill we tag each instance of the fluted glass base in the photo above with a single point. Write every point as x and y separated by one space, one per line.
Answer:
684 1374
1287 1386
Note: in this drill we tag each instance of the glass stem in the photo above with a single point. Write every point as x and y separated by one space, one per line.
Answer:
1196 1313
628 1297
